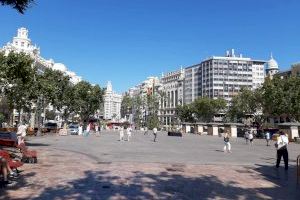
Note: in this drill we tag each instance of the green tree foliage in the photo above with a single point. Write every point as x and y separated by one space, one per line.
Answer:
152 106
19 5
87 99
23 89
202 109
282 97
206 108
17 80
185 113
126 106
137 106
246 103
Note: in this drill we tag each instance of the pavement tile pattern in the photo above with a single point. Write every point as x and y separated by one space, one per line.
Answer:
65 174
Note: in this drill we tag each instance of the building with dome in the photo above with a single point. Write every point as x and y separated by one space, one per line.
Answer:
112 104
22 43
272 67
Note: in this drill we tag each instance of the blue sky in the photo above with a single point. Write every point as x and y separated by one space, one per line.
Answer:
126 41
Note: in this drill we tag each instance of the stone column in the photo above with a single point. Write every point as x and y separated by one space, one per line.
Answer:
187 128
200 129
213 130
294 132
233 131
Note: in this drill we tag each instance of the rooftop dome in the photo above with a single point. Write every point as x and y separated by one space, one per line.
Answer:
60 67
272 63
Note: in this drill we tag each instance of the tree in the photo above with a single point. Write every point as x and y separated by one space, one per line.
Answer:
17 80
205 108
185 113
87 99
246 103
282 97
152 106
137 105
126 106
19 5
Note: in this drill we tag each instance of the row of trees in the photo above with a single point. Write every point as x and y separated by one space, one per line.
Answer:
144 109
277 97
27 89
202 109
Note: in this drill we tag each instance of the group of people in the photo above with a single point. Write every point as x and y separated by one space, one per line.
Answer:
281 144
128 131
249 136
87 130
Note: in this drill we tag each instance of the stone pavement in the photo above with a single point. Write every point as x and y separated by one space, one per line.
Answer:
69 174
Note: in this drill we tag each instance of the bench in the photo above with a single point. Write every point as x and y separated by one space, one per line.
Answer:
8 143
28 156
178 134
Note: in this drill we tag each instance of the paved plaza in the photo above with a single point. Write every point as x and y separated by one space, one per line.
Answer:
191 167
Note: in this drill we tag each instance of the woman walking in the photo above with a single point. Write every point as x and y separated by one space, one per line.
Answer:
227 146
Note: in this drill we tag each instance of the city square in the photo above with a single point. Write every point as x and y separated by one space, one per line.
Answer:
188 167
131 99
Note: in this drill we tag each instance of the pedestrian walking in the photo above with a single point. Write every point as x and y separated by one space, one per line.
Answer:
155 134
129 131
21 132
146 131
282 151
80 129
268 137
251 136
227 146
121 133
246 136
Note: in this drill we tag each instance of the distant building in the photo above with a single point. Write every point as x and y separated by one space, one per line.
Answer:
222 77
272 67
112 104
171 85
192 83
22 43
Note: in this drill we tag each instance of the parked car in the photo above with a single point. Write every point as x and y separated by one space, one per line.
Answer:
50 127
73 129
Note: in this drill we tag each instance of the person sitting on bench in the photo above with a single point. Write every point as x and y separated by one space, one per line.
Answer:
6 171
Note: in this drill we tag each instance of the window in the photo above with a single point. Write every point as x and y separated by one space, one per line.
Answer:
22 44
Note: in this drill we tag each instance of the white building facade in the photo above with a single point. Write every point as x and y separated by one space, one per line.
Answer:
172 96
222 77
22 43
112 104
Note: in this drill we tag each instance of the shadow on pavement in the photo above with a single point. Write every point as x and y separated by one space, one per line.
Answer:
285 181
165 185
19 182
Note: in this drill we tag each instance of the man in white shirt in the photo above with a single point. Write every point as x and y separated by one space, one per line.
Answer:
281 146
21 133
